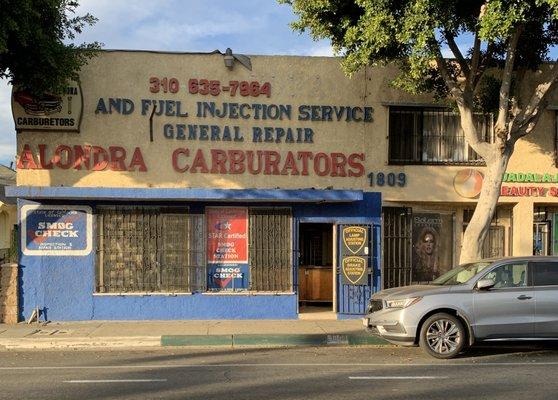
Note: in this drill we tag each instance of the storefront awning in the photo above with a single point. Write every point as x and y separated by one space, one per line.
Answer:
190 194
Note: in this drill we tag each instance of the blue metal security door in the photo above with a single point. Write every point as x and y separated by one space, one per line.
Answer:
354 291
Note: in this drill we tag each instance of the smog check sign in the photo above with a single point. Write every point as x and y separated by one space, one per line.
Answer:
56 230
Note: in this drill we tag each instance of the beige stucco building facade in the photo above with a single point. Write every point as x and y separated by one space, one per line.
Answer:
149 121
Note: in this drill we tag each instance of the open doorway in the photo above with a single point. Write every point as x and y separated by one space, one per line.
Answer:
315 268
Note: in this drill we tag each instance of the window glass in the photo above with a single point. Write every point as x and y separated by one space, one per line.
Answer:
432 136
164 250
270 249
509 275
149 249
545 273
461 274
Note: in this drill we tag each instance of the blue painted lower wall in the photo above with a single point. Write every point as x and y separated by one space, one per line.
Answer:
195 306
63 287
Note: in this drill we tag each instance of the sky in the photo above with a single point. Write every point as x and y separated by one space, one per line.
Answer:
246 26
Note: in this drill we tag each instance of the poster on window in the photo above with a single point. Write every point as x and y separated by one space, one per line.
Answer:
227 248
56 230
432 245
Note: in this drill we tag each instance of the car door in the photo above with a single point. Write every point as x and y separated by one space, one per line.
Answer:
545 283
508 309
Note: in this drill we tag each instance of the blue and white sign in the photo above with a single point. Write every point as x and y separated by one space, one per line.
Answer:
56 230
227 276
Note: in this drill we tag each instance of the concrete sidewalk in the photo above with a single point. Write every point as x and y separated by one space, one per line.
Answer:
141 334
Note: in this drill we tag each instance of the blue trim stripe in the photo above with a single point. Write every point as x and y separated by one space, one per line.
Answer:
192 194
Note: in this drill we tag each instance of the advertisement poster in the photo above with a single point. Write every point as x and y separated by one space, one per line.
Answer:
432 245
354 260
227 248
56 230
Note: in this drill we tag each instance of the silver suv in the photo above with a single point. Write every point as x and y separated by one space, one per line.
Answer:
503 299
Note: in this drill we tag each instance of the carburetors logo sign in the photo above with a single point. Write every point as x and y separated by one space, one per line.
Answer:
48 112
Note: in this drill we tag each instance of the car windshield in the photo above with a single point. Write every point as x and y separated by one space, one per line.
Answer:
461 274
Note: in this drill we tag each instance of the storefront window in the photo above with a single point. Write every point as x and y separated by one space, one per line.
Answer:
494 243
432 136
147 249
270 252
545 231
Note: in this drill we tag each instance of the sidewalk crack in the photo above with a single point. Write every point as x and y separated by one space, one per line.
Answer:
319 326
211 325
32 333
94 329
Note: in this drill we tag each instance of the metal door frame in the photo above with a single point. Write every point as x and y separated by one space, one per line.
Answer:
397 242
361 292
296 255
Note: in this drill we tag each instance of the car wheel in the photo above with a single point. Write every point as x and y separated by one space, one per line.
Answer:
442 336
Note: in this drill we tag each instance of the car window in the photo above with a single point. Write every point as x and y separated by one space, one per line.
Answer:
545 273
508 275
461 274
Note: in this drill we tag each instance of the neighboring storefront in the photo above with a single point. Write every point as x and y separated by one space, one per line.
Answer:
175 186
8 214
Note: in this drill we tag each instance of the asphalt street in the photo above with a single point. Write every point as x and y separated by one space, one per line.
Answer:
502 372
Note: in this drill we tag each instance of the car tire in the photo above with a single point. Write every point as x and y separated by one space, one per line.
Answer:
442 336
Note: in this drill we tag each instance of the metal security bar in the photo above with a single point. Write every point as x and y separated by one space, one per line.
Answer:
494 242
270 249
149 249
433 136
398 263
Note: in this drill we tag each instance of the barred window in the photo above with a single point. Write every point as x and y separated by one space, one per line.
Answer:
270 250
432 136
150 249
147 249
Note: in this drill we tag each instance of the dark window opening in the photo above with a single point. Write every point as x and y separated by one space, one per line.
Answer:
432 136
544 273
398 247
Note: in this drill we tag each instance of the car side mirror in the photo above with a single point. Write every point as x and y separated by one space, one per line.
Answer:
485 284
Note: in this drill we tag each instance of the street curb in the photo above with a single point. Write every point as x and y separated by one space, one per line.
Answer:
80 342
264 340
367 340
196 340
242 340
279 340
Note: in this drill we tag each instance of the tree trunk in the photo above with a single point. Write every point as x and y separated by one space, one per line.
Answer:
477 228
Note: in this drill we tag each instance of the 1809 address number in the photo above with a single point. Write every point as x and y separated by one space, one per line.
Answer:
387 179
